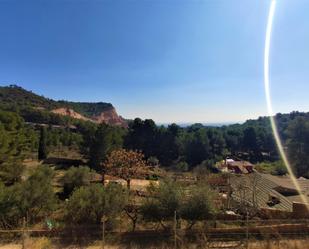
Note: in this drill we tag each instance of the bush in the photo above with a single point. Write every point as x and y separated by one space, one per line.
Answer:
208 165
152 177
192 204
164 201
153 161
279 169
9 215
89 203
274 168
182 167
75 178
11 171
35 197
198 204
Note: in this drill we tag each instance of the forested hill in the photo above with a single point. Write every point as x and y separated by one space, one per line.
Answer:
35 108
86 108
199 146
175 147
18 96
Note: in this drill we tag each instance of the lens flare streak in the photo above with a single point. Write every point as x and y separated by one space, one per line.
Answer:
269 103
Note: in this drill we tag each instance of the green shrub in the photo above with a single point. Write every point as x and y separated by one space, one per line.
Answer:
274 168
35 197
182 167
198 204
191 204
164 201
279 168
89 203
75 178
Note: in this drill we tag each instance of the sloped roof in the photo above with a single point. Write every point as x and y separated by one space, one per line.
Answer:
263 188
286 182
296 198
240 165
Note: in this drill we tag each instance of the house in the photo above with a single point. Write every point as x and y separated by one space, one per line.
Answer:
237 167
286 187
272 194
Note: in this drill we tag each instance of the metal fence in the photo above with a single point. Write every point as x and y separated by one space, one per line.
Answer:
236 232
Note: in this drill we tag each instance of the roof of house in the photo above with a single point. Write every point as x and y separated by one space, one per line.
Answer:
286 182
239 163
266 185
262 187
242 166
297 198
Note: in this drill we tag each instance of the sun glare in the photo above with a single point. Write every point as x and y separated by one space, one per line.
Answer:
269 102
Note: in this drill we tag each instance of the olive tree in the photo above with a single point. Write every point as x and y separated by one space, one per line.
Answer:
198 204
88 204
191 204
164 200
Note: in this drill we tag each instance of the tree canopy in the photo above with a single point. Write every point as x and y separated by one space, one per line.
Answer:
126 164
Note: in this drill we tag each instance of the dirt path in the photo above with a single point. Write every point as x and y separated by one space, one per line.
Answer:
10 246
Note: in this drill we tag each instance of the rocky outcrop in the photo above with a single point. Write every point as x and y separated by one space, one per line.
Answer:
64 111
109 116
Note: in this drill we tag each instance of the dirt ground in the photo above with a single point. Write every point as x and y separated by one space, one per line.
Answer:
10 246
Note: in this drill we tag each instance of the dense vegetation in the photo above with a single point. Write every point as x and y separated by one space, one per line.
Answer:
16 142
16 97
35 108
126 153
173 147
87 109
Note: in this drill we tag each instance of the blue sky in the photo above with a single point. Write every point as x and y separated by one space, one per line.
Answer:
169 60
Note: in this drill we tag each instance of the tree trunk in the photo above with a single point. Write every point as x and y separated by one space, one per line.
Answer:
129 184
134 221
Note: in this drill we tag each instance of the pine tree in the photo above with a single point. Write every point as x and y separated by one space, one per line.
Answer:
42 153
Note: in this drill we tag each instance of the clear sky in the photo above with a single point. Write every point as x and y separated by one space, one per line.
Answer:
169 60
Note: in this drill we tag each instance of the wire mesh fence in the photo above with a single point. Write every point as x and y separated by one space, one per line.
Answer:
235 233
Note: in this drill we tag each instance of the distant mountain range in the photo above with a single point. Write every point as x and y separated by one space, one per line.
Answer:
202 124
16 98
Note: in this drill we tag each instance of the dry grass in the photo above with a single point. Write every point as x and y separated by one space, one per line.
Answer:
45 243
40 243
282 244
10 246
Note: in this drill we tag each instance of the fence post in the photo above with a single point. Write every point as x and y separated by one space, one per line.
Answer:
24 234
103 230
247 230
175 229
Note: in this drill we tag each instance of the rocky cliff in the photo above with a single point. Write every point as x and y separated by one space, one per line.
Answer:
111 117
64 111
35 108
108 116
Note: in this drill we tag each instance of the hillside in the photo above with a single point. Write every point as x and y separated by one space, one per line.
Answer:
29 104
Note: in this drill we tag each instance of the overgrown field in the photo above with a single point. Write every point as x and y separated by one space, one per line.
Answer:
45 243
